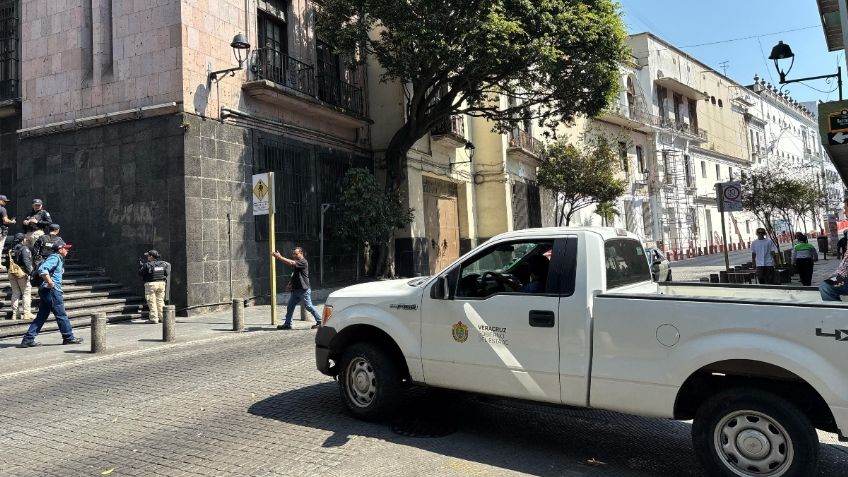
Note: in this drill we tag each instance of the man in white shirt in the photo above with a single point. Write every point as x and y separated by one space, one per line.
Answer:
763 251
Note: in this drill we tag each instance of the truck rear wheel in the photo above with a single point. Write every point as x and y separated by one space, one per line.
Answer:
751 433
369 382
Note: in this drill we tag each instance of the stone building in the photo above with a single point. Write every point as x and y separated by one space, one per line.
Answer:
109 113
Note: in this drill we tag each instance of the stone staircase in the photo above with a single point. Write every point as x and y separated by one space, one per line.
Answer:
87 291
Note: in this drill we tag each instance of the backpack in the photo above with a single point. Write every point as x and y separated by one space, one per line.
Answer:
35 279
15 270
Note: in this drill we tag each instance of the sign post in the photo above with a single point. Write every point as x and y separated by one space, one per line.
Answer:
263 204
729 198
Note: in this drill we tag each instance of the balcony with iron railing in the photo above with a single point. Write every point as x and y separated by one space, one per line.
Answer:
450 131
680 127
622 113
284 80
522 142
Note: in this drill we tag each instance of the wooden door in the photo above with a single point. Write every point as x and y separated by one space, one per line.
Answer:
448 232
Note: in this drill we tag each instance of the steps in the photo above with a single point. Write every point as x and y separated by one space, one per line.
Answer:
87 291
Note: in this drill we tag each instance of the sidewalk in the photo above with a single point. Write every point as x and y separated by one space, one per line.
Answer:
136 335
821 270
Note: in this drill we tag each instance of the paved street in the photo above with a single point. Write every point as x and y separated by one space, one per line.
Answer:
695 268
253 404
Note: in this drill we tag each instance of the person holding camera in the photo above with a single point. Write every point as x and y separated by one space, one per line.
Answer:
36 223
155 273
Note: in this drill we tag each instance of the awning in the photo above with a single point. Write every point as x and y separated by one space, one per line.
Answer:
831 24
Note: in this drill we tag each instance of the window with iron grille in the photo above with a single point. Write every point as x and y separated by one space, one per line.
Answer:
294 190
526 206
9 46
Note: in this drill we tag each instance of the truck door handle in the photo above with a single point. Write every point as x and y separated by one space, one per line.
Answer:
542 319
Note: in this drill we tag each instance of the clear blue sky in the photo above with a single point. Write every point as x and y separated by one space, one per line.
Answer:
685 23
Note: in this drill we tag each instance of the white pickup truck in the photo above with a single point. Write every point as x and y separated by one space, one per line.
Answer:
570 316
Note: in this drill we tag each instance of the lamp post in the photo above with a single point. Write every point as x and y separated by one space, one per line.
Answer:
469 152
240 47
781 51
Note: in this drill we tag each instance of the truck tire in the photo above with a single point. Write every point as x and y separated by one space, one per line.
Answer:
369 382
752 433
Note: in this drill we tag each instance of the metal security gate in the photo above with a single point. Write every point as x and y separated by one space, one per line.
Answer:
526 206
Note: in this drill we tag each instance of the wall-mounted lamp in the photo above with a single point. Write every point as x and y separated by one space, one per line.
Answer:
469 151
240 47
781 51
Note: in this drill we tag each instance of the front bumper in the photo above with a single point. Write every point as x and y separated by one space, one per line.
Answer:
323 339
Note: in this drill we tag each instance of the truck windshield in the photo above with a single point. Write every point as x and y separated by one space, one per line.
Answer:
626 263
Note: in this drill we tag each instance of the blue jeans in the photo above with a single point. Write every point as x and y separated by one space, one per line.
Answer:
304 296
50 300
831 293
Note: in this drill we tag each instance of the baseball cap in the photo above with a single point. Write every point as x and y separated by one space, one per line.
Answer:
3 197
19 237
60 245
54 226
37 201
153 253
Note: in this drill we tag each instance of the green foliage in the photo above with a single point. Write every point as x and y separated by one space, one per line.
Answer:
774 192
557 58
607 212
365 212
579 178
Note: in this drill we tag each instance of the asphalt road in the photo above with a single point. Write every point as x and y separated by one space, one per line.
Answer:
736 258
253 404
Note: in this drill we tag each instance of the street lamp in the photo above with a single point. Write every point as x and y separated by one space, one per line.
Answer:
469 151
781 51
240 47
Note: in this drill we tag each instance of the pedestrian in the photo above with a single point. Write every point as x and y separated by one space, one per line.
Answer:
299 284
842 244
51 299
803 256
43 246
36 223
20 269
834 287
763 252
155 273
5 222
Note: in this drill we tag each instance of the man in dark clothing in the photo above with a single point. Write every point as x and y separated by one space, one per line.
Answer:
20 269
51 299
43 247
5 222
36 223
155 273
842 244
300 291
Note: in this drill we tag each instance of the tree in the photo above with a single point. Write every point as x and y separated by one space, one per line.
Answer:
368 214
556 58
607 212
579 178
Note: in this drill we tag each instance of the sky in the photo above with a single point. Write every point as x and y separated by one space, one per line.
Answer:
742 33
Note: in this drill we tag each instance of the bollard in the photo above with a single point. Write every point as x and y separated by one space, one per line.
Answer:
98 332
169 322
722 277
238 314
302 312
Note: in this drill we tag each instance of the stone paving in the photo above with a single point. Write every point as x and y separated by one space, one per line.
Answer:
223 403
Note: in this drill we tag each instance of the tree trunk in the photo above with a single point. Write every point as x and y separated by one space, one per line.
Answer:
396 160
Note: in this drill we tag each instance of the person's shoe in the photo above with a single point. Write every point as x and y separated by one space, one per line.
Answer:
29 344
72 341
284 327
29 316
152 322
316 326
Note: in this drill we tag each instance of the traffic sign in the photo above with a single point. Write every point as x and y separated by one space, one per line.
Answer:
729 196
836 139
262 186
838 121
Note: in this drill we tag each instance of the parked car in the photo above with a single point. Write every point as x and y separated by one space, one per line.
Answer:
756 369
660 270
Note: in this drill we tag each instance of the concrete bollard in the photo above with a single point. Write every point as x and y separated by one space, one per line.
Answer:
238 314
98 332
169 323
302 312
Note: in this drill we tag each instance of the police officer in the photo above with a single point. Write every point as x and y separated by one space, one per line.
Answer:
36 223
20 269
43 247
5 222
155 273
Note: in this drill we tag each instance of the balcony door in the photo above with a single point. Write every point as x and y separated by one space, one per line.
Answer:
273 44
329 69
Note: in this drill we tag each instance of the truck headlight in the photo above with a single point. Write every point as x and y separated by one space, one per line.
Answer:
328 312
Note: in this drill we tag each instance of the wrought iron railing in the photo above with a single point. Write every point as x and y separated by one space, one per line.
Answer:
9 48
623 109
455 125
284 70
334 91
679 126
522 139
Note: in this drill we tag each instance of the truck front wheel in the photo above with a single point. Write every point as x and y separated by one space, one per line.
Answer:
369 382
751 433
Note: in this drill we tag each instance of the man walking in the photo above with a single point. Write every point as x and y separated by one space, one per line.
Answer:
5 222
155 273
300 291
20 269
36 222
51 299
43 246
763 251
